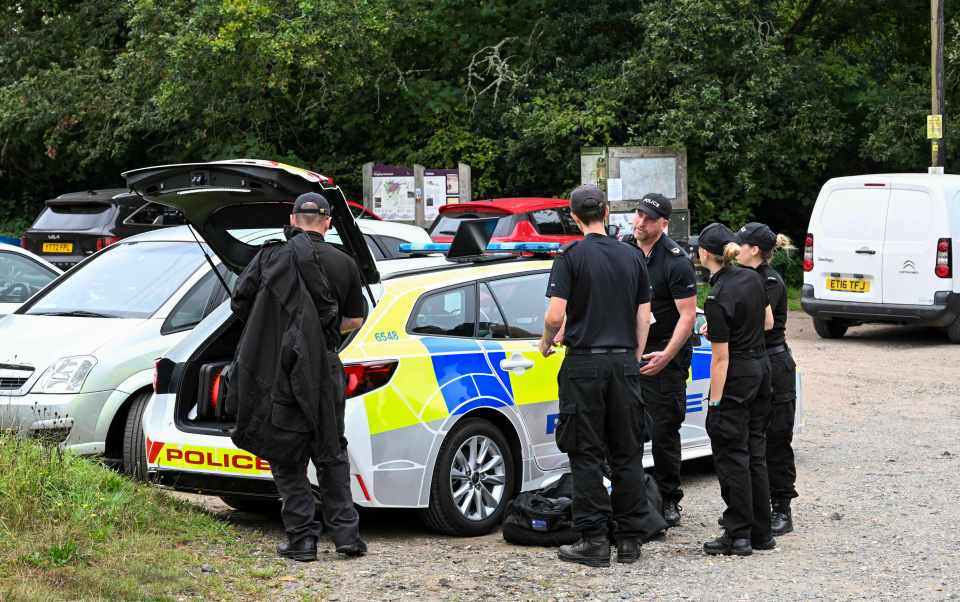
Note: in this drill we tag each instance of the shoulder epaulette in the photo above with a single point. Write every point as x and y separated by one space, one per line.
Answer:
271 242
569 246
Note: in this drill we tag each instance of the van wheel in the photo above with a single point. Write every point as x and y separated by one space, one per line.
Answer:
473 480
953 331
254 505
134 446
830 329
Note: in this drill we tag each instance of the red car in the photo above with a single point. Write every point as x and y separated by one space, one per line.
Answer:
359 211
526 219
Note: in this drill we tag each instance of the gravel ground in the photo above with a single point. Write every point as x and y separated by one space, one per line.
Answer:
878 478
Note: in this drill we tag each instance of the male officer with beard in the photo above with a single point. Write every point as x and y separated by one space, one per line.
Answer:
664 377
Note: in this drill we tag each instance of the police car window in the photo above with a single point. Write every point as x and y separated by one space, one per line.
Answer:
490 322
375 249
554 222
446 313
392 246
523 303
203 298
21 278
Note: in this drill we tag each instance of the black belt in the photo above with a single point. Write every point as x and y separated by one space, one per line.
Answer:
777 349
591 350
755 353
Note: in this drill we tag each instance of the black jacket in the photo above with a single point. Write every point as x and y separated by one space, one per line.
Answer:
278 384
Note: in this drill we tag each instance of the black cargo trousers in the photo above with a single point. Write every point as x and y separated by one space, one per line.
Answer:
665 395
738 428
781 466
299 510
601 421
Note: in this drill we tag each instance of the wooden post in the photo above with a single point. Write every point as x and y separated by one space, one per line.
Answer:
936 77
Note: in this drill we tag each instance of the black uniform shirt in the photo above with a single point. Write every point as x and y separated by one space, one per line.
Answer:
735 309
671 277
777 296
604 282
344 276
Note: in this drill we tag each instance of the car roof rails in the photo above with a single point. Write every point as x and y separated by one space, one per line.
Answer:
472 244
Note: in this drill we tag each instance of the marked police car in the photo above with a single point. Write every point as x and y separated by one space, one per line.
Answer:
450 407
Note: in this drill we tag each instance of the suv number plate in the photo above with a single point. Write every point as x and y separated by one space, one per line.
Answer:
58 247
848 285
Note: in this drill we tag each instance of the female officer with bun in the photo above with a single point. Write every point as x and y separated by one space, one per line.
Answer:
739 407
757 245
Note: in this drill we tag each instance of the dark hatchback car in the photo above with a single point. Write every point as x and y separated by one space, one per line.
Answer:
77 224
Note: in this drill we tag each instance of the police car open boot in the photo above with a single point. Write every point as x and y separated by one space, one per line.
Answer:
591 551
781 519
303 550
728 546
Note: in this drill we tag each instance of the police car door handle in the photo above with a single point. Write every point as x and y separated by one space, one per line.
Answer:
516 363
866 251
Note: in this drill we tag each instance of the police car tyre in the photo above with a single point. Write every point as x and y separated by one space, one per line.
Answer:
254 505
482 481
830 329
953 331
134 447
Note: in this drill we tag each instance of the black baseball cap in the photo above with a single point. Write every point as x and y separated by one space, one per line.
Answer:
656 206
715 237
587 199
758 235
320 205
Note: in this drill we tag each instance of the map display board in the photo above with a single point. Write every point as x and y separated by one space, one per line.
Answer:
393 192
642 175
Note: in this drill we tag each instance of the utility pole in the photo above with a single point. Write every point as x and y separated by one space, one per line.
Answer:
935 119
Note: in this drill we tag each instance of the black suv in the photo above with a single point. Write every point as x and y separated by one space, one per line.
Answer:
77 224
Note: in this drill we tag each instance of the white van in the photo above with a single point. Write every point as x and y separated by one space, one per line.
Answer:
880 248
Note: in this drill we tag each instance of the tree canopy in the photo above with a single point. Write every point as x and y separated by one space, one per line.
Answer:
769 97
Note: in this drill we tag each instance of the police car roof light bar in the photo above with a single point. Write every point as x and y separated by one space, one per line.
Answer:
494 247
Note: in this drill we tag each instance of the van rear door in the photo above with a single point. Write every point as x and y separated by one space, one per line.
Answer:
910 246
848 243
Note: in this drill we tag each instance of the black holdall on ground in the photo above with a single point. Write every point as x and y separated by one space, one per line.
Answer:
544 517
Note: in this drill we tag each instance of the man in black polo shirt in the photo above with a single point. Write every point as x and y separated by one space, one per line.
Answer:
664 377
600 287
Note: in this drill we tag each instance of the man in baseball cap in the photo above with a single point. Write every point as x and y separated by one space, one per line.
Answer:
669 350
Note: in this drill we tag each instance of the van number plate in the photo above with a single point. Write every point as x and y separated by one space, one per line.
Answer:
58 247
848 285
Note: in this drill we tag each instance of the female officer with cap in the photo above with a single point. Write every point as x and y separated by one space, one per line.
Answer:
739 408
757 245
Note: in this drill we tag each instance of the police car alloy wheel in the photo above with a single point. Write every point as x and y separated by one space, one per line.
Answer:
473 480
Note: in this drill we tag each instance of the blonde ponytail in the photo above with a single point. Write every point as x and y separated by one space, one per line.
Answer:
783 242
730 253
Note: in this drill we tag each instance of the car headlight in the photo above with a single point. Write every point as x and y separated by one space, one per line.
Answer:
66 375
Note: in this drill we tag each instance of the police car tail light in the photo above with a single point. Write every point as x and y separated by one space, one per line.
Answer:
944 267
364 377
808 253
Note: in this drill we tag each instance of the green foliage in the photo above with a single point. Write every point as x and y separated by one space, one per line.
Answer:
769 99
72 529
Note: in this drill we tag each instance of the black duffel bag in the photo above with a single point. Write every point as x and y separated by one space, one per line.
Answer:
544 517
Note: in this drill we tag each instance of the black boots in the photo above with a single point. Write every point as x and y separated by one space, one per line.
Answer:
353 550
304 550
628 551
671 513
781 519
727 546
591 551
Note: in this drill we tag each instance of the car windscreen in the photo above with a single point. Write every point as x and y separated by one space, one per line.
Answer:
81 216
128 280
447 223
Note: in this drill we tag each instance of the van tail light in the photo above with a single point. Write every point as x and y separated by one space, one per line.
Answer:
103 243
155 362
944 267
366 376
215 389
808 253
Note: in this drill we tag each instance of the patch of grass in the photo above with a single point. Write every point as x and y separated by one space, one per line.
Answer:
71 529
